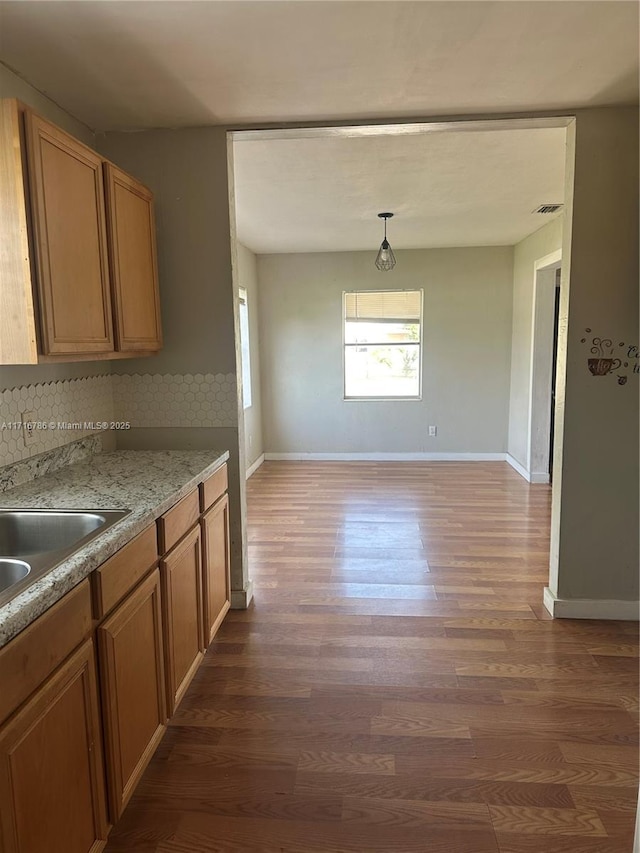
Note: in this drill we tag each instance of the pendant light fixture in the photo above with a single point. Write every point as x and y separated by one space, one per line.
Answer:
385 259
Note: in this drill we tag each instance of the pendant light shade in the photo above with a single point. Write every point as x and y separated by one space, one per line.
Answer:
385 259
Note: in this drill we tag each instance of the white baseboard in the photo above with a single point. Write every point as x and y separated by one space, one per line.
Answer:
529 476
518 467
387 457
253 468
588 608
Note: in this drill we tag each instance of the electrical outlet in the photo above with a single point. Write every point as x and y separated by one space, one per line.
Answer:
433 431
28 427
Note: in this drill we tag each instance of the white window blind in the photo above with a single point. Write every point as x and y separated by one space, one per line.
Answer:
392 306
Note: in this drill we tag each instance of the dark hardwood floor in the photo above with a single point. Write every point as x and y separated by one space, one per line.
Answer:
397 685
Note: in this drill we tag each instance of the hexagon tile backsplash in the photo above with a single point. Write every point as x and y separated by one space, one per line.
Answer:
176 399
62 411
67 410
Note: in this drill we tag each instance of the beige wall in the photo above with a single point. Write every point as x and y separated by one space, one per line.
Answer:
594 545
61 399
248 278
12 86
466 353
187 171
539 244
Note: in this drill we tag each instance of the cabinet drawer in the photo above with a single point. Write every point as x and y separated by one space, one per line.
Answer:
177 521
120 573
213 488
28 659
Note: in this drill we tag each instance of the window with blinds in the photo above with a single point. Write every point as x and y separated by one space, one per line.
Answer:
382 344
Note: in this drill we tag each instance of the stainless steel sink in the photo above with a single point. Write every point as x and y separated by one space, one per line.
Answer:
34 541
12 571
23 534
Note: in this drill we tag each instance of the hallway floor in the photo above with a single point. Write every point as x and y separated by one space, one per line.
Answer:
397 685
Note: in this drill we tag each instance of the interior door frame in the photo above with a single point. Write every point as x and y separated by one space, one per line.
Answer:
542 356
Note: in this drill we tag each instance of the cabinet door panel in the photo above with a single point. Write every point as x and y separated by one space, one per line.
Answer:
134 273
182 601
133 688
215 556
18 344
51 773
68 208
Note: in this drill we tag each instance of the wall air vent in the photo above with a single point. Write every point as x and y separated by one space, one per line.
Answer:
548 208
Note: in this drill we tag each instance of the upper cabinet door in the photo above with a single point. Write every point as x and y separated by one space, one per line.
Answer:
70 243
134 273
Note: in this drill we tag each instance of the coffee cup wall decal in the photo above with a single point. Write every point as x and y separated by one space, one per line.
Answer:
603 361
602 366
602 347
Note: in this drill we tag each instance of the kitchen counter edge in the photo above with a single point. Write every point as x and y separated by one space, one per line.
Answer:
20 612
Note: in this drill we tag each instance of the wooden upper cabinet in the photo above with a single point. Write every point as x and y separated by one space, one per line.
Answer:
78 268
18 344
132 255
69 241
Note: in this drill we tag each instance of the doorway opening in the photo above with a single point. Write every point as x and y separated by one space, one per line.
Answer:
546 309
554 370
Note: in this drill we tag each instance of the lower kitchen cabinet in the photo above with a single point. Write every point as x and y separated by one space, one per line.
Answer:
181 571
215 565
133 689
51 771
76 735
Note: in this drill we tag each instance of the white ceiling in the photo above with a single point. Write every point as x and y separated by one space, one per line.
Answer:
167 64
125 64
469 188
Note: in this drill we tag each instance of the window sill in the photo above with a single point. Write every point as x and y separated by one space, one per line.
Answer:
382 399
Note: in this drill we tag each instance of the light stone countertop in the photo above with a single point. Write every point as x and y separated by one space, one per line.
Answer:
146 482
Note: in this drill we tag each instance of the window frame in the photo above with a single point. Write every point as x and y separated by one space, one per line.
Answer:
243 299
420 342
